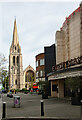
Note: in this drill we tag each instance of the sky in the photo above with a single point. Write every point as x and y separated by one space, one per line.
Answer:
37 23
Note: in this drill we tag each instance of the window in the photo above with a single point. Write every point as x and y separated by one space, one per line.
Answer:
15 47
17 60
26 78
36 63
37 74
15 82
13 60
41 73
41 62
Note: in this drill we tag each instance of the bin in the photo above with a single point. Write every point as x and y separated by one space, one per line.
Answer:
16 101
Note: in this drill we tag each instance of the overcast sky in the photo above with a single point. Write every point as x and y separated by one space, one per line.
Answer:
37 23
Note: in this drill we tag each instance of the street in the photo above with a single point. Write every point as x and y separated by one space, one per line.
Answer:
30 106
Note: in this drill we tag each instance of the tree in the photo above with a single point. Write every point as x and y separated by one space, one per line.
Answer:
73 84
44 86
31 79
5 79
3 62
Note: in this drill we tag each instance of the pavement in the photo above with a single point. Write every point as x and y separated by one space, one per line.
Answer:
30 106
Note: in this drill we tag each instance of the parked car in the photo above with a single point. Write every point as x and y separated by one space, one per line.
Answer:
4 91
26 92
10 95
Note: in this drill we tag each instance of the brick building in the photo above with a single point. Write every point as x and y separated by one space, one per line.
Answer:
40 67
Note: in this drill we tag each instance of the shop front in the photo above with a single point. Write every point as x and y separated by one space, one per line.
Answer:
57 88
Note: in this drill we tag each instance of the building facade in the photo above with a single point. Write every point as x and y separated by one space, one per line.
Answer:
40 67
68 53
68 39
50 62
29 77
16 76
49 58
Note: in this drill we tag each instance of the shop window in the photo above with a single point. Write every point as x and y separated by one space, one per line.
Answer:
54 87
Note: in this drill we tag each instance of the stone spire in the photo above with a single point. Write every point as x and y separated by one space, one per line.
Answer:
15 35
16 76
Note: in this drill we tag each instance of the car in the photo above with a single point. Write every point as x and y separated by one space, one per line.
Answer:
26 92
10 95
4 91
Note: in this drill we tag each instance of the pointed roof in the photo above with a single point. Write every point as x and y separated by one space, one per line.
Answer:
29 68
15 35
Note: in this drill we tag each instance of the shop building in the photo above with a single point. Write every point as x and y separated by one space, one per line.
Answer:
68 53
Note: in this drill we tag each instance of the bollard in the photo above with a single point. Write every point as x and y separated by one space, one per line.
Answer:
81 110
42 108
4 110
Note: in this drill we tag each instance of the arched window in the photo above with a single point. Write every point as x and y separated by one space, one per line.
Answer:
15 82
15 47
26 78
17 60
13 60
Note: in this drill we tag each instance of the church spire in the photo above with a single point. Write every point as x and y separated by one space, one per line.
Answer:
15 34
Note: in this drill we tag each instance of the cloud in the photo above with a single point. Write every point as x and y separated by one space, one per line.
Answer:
37 24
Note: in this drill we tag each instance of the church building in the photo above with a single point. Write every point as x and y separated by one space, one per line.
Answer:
16 76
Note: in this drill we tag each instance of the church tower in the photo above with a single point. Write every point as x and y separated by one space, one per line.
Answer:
16 77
